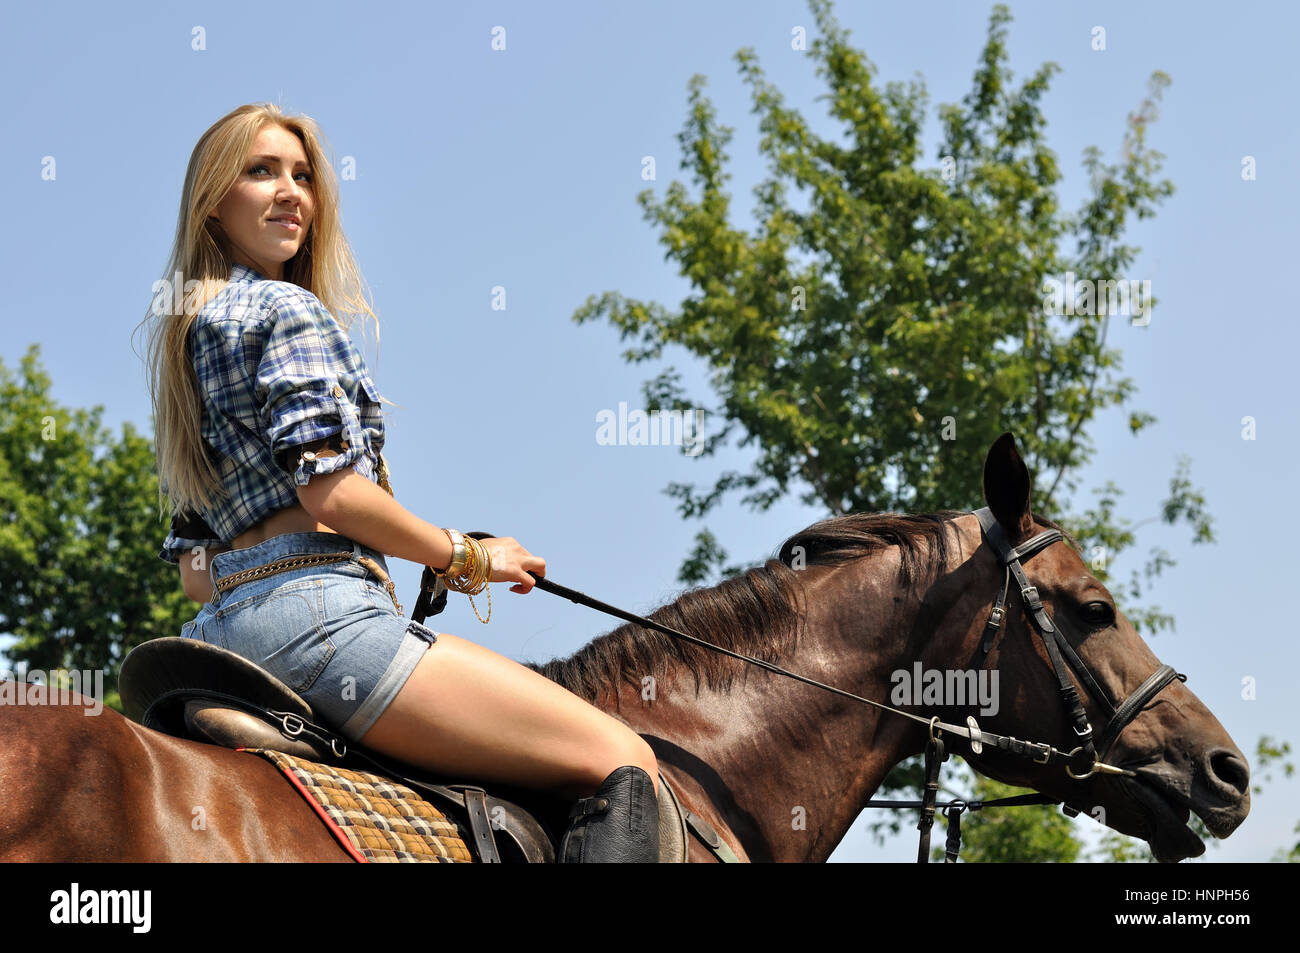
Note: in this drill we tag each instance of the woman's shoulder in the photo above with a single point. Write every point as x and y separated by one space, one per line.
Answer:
263 303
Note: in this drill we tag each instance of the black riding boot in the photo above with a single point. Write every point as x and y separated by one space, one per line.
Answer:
618 824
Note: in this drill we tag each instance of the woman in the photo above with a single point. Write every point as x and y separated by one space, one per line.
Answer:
269 435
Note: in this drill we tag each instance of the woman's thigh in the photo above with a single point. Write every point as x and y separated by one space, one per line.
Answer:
468 709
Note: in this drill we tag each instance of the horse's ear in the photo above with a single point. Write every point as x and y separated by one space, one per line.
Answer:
1006 488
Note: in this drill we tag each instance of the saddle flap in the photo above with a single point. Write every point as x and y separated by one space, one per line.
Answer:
212 722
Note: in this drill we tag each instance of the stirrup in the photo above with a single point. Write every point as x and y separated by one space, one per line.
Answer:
618 824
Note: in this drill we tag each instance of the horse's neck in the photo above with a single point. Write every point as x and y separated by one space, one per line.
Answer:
786 764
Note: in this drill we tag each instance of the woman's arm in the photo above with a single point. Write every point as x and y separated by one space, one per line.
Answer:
299 387
351 504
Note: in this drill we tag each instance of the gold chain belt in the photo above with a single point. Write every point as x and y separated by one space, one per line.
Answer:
297 562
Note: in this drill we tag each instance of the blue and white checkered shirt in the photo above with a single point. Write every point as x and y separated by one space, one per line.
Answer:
276 371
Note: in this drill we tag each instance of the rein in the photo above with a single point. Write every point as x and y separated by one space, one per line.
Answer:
1059 651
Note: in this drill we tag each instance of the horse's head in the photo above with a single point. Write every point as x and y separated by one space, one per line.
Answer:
1176 756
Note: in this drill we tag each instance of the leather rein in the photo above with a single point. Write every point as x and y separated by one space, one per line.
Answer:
1087 756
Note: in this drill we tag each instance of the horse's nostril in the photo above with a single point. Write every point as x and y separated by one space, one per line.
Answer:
1228 769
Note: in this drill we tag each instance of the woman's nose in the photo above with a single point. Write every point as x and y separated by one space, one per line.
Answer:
291 191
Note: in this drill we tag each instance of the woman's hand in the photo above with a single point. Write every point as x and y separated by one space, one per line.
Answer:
512 563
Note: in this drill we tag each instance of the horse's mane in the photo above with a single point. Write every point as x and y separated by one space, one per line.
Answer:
755 613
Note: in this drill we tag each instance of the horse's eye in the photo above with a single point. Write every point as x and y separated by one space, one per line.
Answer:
1097 614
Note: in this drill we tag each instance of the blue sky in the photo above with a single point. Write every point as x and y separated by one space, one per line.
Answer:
519 168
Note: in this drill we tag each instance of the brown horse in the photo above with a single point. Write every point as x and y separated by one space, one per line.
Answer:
778 767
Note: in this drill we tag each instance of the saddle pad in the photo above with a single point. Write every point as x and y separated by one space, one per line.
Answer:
375 819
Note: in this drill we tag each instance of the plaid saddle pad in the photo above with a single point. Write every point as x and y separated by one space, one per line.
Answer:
375 819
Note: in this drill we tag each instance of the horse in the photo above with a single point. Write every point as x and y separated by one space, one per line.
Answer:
779 767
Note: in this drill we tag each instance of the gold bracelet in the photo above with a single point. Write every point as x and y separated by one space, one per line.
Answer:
482 567
482 574
459 554
453 580
475 577
475 573
465 581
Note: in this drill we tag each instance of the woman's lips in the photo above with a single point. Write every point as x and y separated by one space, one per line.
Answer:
293 227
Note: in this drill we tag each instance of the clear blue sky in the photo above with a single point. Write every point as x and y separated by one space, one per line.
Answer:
478 168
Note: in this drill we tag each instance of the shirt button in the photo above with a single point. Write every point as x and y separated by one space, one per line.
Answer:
338 391
308 456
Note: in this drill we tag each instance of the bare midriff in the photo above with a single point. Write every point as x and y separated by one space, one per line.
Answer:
291 519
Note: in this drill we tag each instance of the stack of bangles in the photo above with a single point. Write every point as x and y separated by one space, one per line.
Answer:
470 569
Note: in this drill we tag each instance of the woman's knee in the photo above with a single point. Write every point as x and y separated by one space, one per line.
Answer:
623 746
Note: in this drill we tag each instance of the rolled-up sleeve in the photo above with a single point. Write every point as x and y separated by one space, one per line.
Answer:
189 531
305 380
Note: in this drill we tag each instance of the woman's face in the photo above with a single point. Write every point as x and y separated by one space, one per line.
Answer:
273 190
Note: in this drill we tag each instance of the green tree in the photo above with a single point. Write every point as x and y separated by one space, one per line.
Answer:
873 339
79 534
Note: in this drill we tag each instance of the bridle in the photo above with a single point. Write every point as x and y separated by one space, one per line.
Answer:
1087 756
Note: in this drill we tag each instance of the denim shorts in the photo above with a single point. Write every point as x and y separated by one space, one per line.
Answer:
330 632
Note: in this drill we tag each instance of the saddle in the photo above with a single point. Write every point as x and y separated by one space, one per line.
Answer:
204 693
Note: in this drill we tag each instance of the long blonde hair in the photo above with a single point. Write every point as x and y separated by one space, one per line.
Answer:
202 256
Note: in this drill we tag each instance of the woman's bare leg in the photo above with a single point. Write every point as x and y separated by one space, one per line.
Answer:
468 710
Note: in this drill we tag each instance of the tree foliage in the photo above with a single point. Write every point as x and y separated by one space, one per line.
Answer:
79 534
874 342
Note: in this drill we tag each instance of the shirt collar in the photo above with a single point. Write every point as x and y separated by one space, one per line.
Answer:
240 272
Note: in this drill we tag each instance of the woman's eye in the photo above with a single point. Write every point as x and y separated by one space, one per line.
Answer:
265 169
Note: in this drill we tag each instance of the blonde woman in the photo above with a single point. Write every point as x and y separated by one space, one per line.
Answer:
269 438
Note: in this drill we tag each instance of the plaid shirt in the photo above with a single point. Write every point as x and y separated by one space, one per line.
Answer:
276 371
